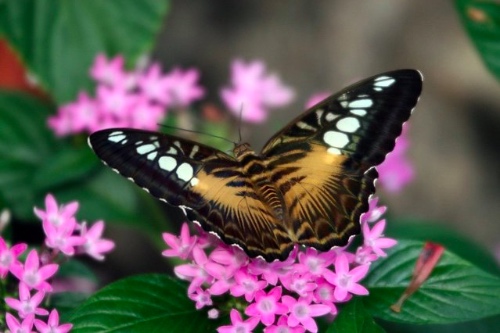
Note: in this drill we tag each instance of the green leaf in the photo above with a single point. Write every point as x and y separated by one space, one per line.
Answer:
452 240
59 39
481 19
353 318
25 144
456 290
485 325
147 303
66 166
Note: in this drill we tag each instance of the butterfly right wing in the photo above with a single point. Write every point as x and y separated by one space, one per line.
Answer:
207 184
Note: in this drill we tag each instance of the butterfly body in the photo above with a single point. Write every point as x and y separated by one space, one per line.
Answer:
309 185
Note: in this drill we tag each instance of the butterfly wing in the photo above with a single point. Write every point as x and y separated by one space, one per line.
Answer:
323 161
207 184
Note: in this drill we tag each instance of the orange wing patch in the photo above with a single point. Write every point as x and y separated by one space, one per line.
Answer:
324 200
234 211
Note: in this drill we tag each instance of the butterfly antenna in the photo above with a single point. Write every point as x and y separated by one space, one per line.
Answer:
239 122
198 132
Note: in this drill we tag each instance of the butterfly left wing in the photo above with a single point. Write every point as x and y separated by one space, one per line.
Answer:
323 161
207 184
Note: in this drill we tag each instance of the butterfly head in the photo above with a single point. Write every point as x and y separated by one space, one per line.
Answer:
242 149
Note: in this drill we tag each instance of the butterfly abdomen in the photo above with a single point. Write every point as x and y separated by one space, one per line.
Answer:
255 168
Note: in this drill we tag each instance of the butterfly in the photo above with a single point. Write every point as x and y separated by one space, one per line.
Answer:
309 185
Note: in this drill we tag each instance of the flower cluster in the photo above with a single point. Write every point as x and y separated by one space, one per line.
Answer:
278 295
253 91
138 98
63 237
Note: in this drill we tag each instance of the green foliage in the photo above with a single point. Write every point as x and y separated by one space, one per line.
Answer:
25 144
434 231
354 318
147 303
58 39
481 20
456 291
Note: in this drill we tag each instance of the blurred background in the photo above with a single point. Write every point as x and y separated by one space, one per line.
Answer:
455 131
324 46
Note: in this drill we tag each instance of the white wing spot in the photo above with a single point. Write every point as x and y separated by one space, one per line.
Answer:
167 163
384 82
172 151
319 113
178 144
334 151
359 112
344 104
184 172
305 126
116 136
152 156
194 181
336 139
361 103
330 116
144 149
348 124
194 151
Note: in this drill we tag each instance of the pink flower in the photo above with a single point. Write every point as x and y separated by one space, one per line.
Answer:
183 89
246 284
155 85
345 280
62 122
283 327
238 325
271 272
109 72
27 304
365 255
316 98
267 306
116 100
32 274
253 91
314 262
213 314
61 238
52 325
201 297
8 257
15 326
223 278
230 256
374 212
301 284
324 294
396 171
302 312
84 112
146 115
373 238
54 214
194 272
93 244
179 246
